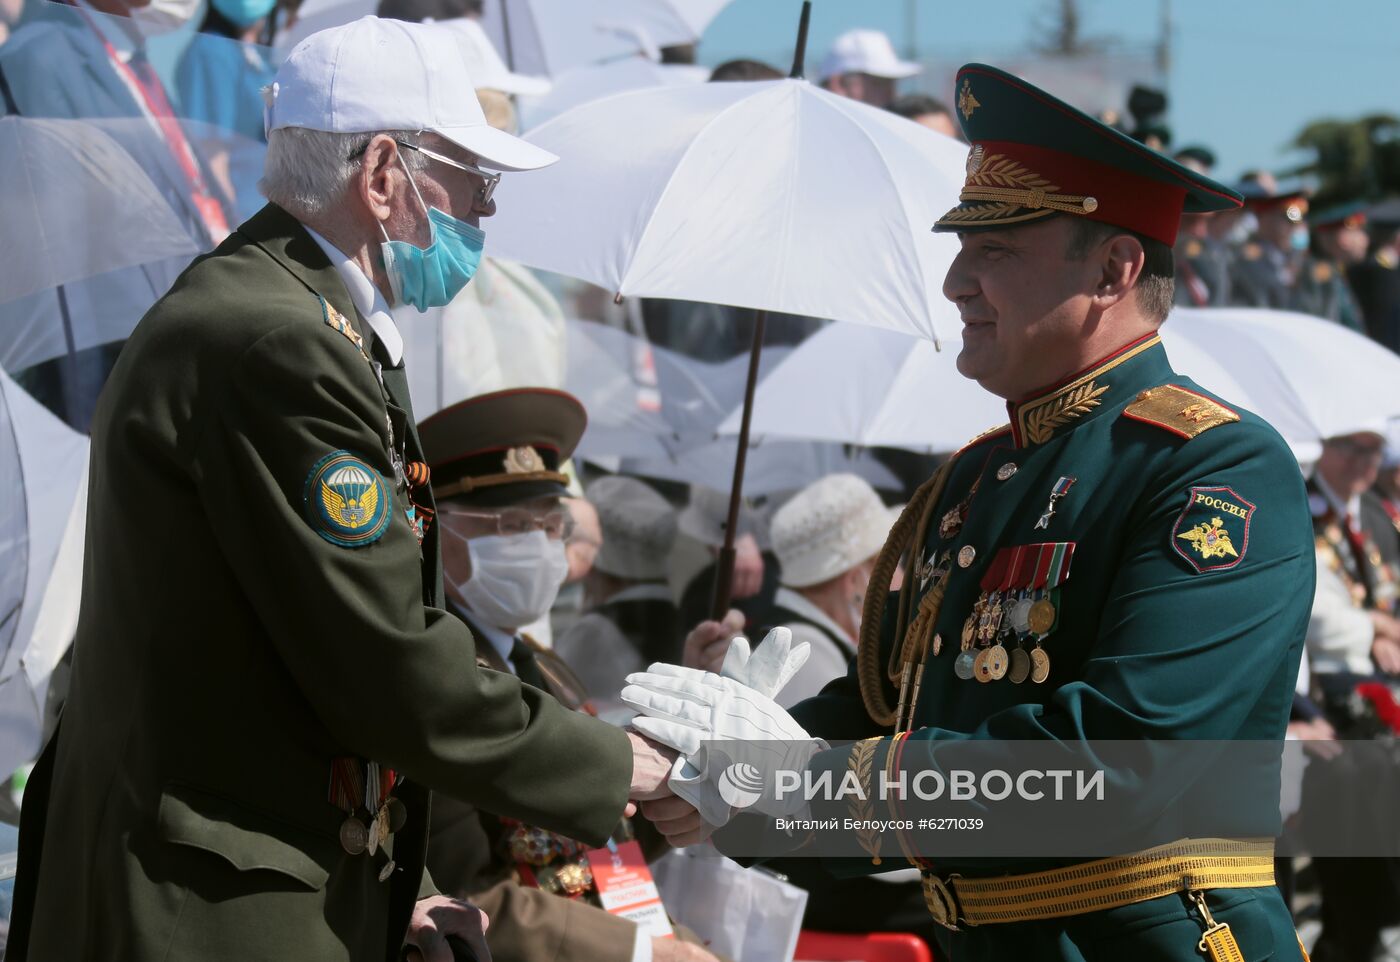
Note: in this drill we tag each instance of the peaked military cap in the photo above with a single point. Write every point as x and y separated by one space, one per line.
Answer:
504 447
1337 216
1258 197
1034 156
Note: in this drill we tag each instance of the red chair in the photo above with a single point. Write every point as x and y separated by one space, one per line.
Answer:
875 947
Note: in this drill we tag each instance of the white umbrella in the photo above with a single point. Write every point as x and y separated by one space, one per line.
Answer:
1311 379
773 196
584 84
76 205
43 468
551 36
873 388
776 196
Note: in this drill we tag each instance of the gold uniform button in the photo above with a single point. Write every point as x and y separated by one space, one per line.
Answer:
966 556
1005 472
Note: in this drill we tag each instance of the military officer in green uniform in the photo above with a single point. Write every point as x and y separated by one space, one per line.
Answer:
1130 558
1275 268
495 466
264 684
1339 243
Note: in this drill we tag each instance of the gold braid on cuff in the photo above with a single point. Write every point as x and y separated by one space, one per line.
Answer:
468 485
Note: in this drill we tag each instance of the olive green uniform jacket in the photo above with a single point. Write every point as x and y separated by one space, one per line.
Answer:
227 650
1162 635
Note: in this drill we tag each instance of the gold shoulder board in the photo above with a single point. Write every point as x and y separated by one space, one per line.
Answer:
1182 412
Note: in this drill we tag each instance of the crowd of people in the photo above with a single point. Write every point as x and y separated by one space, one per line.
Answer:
265 684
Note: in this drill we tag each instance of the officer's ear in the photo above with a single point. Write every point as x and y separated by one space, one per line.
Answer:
375 182
1121 260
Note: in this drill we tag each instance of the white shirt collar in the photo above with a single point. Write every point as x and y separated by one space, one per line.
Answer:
799 605
500 640
1350 509
368 301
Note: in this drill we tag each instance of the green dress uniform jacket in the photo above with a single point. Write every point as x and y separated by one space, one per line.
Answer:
1182 617
231 644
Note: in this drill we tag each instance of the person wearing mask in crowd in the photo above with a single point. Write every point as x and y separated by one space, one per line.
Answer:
923 109
274 778
1353 636
1274 267
633 619
862 65
826 539
88 58
506 329
219 80
756 569
494 466
1121 502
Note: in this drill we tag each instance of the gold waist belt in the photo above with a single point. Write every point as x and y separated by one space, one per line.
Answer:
1193 865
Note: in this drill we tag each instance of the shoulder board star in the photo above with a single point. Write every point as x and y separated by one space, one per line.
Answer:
1322 272
1178 410
1193 248
1251 251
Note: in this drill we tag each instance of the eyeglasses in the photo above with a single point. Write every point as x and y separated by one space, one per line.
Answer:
483 193
557 525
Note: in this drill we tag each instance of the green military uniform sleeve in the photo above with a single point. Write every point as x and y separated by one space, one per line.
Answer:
392 679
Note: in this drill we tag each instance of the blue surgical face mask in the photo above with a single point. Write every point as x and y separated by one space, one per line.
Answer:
1298 238
244 13
431 276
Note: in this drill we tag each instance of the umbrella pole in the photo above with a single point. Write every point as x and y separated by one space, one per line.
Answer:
724 568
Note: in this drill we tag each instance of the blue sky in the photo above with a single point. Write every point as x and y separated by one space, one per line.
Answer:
1246 75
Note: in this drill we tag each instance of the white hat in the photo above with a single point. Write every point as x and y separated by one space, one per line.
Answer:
828 528
866 51
374 74
639 528
485 65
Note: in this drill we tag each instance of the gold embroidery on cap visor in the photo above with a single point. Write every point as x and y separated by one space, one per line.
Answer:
999 190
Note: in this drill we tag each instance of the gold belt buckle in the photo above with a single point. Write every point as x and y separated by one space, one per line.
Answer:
941 901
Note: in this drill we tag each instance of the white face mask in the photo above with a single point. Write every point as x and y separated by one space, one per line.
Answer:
163 16
514 578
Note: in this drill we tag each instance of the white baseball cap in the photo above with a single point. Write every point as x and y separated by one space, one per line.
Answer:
866 51
485 63
374 74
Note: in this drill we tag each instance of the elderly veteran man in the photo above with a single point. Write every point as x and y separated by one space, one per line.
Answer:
826 538
634 619
264 685
494 461
1129 559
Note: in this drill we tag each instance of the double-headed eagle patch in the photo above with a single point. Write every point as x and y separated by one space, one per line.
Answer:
1213 529
346 500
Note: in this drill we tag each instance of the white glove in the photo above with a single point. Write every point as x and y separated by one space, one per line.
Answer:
685 708
769 668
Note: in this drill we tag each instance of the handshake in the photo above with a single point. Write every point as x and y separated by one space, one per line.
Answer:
688 711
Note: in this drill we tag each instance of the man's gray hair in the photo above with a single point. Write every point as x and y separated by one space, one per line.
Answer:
306 170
